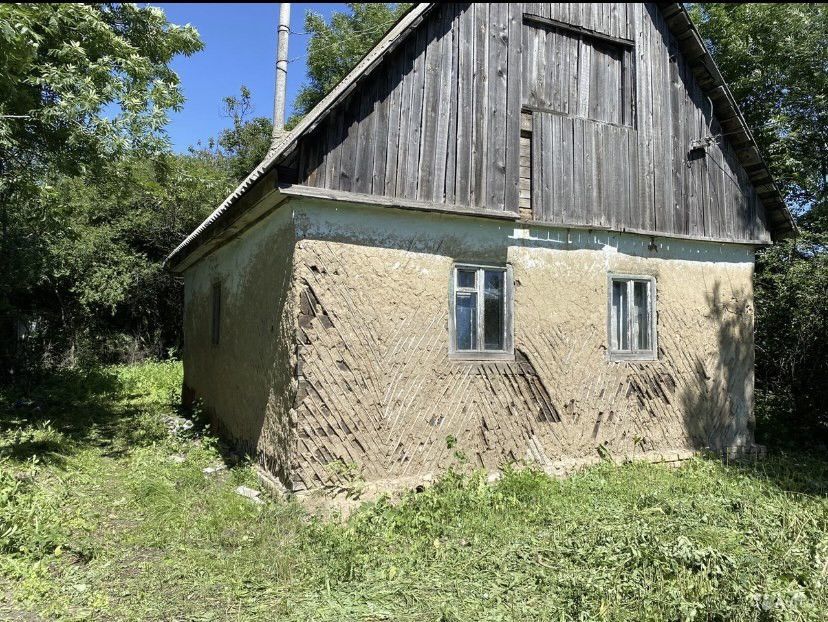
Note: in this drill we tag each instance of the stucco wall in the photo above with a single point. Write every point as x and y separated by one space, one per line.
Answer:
378 391
245 383
333 358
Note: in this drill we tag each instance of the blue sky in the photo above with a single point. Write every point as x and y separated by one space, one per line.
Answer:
239 48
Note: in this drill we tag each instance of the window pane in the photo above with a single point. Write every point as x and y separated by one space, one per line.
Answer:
619 316
465 278
641 308
465 321
493 310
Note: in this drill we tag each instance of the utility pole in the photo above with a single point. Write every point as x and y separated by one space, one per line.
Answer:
281 73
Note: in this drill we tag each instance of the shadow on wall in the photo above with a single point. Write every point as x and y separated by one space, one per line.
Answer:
245 381
718 406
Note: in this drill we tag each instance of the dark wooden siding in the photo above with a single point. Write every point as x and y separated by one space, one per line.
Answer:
569 72
581 172
439 121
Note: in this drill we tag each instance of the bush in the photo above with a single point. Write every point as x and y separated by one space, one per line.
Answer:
792 342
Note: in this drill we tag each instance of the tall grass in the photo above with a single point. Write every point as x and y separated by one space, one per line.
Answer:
106 514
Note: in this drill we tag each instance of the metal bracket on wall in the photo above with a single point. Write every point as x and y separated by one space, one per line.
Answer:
702 144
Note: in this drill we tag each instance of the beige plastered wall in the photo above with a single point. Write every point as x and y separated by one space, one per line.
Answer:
245 383
333 362
379 395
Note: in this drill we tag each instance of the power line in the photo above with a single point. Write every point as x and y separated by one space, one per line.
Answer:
354 32
338 42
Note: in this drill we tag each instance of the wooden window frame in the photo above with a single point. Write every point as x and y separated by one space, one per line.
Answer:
650 354
215 322
508 351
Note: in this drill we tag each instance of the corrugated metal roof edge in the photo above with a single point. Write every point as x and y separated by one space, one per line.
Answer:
395 34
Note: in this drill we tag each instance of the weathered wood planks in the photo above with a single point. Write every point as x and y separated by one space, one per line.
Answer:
614 107
574 185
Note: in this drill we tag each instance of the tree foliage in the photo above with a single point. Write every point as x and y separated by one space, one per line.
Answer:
241 147
775 58
88 82
84 88
792 340
97 289
336 47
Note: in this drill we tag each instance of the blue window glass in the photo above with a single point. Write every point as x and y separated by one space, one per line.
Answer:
465 320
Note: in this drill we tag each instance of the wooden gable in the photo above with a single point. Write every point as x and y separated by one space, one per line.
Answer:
610 107
599 115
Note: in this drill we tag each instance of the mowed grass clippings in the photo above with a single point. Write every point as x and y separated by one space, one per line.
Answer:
106 514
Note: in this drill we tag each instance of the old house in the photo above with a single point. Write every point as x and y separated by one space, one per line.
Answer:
514 231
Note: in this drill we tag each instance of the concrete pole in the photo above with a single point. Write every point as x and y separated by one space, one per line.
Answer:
281 72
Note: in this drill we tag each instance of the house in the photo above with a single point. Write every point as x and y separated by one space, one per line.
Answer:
513 232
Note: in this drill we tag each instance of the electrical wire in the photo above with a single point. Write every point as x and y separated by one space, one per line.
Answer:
337 43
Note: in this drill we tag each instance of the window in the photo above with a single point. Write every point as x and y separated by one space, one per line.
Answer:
569 71
216 325
632 323
480 322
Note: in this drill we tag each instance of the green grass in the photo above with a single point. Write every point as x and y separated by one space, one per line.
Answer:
98 522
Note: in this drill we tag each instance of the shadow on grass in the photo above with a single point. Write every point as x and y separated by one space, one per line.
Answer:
69 410
46 450
803 473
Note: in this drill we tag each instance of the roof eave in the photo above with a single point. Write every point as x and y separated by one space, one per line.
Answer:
386 44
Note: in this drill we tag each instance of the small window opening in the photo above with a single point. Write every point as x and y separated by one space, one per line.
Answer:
632 326
481 312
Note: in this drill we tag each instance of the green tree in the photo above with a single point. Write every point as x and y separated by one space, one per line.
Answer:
337 46
241 147
87 83
103 262
792 341
775 59
82 86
